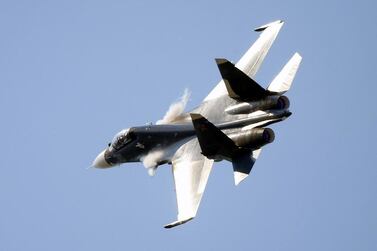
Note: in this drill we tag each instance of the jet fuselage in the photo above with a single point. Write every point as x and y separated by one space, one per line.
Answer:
143 140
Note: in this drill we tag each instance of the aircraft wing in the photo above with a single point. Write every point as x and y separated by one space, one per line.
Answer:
191 171
253 58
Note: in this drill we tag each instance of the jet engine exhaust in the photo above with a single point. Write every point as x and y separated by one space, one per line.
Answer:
254 138
272 102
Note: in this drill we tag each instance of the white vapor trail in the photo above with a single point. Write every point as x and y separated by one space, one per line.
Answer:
176 109
151 159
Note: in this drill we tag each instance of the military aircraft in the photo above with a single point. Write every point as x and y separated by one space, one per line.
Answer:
230 124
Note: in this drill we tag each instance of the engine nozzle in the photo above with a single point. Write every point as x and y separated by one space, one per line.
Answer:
254 138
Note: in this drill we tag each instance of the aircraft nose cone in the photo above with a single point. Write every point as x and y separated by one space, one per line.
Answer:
100 161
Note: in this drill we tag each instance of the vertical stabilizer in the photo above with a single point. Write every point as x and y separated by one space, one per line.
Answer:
253 58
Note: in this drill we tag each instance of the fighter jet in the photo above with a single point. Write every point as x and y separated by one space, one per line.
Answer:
230 124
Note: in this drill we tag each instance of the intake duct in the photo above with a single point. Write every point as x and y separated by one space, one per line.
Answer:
270 102
254 138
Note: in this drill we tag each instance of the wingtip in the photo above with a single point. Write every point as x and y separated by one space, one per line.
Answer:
265 26
177 223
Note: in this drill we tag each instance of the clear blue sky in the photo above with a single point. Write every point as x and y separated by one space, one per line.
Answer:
73 73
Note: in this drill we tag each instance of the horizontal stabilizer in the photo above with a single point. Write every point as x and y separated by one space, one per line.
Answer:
238 84
177 223
212 140
243 164
283 81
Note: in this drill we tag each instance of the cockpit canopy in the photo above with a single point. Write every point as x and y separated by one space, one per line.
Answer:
122 138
